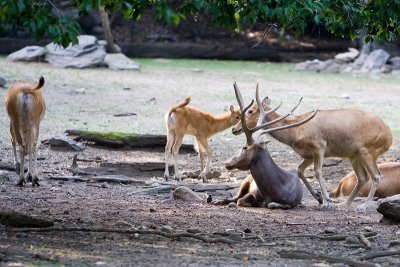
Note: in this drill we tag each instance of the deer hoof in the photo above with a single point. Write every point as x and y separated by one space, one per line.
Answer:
204 177
29 177
361 208
35 181
21 182
166 177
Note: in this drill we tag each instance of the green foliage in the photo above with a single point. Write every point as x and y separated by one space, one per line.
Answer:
380 19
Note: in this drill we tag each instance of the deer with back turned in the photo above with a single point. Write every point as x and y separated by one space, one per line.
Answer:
278 188
357 135
25 106
184 119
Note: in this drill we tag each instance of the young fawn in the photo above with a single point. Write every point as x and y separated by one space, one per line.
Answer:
25 107
278 188
388 186
183 119
347 133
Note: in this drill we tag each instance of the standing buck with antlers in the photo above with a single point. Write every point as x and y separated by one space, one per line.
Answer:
279 188
25 107
183 119
346 133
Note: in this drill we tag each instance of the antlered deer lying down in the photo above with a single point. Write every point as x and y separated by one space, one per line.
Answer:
388 186
25 107
183 119
347 133
279 188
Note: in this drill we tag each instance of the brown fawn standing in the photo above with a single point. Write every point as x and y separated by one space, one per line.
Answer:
183 119
25 107
347 133
278 188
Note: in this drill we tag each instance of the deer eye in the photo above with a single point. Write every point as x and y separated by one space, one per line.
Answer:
237 117
244 148
250 111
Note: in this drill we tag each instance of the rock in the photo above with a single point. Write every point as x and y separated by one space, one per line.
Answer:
16 219
232 205
348 56
247 231
120 62
167 229
352 240
395 62
331 66
235 237
375 60
311 65
193 231
28 53
330 230
87 53
3 82
65 142
390 208
359 62
186 194
396 73
394 243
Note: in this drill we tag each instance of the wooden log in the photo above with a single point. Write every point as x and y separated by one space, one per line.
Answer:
117 140
16 219
10 167
119 179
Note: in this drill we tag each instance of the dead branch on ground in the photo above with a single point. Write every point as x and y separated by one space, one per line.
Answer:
378 254
126 231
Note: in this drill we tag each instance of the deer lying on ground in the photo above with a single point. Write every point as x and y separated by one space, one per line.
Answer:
347 133
278 188
183 119
25 107
388 186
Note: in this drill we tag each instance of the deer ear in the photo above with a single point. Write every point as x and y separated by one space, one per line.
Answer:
266 102
232 109
264 143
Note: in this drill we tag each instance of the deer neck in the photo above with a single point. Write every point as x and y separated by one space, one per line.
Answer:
265 172
221 122
283 136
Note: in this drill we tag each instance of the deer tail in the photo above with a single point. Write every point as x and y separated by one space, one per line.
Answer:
37 87
336 192
181 105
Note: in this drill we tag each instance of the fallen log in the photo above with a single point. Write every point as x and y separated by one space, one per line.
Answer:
16 219
10 167
301 254
119 179
117 140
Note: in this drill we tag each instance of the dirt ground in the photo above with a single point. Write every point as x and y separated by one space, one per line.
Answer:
89 99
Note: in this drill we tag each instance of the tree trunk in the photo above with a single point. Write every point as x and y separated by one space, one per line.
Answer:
111 47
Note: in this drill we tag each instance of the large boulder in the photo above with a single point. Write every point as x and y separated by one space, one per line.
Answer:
119 61
375 60
349 56
390 208
87 53
28 53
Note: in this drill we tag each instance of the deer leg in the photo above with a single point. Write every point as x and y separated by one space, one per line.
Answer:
243 190
362 177
274 205
21 180
203 174
16 162
201 154
373 171
300 171
168 149
30 166
35 180
318 159
175 151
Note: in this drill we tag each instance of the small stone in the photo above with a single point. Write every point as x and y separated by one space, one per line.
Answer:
352 240
126 88
235 237
66 212
394 243
232 205
152 210
344 96
247 230
3 82
330 230
167 229
368 229
193 231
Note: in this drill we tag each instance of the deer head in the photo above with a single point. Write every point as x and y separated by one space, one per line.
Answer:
243 158
253 113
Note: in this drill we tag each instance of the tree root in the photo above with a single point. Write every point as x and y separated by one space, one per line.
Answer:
301 254
126 231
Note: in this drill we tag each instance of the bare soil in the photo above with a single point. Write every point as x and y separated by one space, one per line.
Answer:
88 100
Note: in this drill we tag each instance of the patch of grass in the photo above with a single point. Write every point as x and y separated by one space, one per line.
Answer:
396 133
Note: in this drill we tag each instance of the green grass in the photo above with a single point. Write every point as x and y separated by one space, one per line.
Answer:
396 133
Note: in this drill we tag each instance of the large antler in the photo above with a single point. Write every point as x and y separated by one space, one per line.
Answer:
246 130
263 115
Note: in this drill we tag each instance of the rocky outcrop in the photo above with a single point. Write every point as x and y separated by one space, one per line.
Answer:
28 53
390 208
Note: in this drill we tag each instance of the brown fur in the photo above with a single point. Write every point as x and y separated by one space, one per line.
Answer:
184 119
247 195
348 133
25 107
388 186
